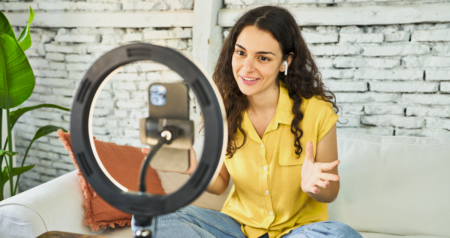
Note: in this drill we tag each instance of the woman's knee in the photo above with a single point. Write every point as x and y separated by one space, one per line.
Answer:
200 214
172 216
341 229
189 212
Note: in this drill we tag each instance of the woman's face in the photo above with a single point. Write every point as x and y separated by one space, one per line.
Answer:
256 60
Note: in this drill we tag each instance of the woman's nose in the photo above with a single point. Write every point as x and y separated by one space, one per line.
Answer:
249 64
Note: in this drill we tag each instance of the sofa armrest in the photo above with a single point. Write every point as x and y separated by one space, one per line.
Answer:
53 206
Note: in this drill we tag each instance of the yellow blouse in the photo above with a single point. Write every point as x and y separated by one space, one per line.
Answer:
266 195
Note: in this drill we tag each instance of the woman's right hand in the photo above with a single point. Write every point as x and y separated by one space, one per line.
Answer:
193 162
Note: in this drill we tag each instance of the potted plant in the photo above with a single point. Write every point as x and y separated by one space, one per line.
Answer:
16 86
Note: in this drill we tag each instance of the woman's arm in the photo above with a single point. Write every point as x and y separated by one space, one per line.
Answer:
322 179
222 180
220 185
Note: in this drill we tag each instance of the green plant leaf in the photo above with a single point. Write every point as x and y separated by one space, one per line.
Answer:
5 176
16 171
2 154
25 37
45 130
15 115
5 27
16 76
10 153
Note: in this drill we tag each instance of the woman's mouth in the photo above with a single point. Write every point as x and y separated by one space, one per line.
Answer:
249 81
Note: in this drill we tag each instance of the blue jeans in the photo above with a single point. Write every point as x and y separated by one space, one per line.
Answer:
192 221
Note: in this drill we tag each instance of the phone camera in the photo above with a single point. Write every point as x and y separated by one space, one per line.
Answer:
158 95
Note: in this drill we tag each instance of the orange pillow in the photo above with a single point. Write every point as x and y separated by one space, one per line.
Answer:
123 162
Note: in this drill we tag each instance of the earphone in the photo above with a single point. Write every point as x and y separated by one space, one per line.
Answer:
286 64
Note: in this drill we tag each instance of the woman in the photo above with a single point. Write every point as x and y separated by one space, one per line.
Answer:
282 148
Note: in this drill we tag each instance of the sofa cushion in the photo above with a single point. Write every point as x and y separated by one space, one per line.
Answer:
393 184
380 235
123 163
52 206
11 223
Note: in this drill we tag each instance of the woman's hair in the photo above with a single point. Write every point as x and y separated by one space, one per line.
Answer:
303 76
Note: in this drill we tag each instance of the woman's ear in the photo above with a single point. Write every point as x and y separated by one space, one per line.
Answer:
290 58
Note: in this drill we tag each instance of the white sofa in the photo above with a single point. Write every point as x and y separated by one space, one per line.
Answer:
390 187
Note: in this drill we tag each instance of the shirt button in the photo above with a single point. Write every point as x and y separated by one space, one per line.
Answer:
271 213
262 145
267 191
265 167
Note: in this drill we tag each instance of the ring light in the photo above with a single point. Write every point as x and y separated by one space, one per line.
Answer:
97 76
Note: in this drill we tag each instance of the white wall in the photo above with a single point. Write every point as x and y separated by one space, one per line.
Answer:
63 49
389 70
389 79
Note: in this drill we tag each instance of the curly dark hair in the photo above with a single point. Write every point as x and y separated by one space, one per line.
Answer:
303 76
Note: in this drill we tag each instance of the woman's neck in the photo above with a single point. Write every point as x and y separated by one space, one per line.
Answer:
264 101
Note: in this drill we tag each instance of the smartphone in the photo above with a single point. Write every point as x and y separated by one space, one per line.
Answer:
171 101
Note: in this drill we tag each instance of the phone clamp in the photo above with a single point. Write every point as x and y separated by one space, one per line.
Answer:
181 132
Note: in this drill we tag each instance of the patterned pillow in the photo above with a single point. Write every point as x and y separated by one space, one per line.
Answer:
123 162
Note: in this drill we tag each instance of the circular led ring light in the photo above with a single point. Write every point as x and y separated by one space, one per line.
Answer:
82 137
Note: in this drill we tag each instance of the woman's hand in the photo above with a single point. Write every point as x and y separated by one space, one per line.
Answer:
313 175
193 161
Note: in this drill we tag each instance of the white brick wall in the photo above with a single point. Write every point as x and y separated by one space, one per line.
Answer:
96 6
60 58
239 4
360 62
312 37
388 79
361 37
395 49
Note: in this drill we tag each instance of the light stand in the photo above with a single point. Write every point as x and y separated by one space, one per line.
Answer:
143 205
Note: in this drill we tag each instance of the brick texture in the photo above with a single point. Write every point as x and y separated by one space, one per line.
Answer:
60 58
388 80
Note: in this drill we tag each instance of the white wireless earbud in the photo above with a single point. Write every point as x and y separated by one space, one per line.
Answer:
286 65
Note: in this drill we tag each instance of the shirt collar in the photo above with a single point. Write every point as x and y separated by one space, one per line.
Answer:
283 114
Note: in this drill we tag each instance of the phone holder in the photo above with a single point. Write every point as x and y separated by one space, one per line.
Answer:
145 205
150 128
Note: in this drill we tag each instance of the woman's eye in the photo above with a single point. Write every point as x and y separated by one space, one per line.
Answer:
239 52
264 59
